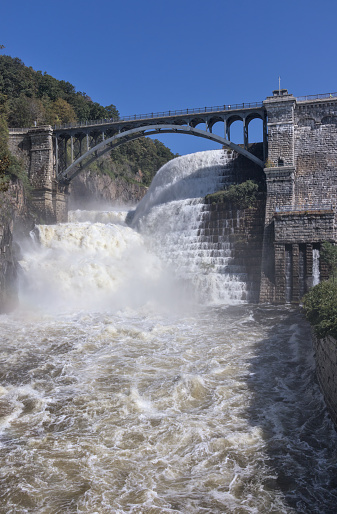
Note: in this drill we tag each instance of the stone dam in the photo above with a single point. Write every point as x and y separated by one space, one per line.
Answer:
299 152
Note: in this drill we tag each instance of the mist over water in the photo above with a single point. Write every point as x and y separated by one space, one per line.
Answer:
119 393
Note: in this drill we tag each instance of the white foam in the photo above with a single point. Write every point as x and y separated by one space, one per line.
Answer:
171 216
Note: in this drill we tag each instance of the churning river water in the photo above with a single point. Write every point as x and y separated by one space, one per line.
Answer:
120 392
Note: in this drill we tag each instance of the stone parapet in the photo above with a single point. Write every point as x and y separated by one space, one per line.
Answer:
304 227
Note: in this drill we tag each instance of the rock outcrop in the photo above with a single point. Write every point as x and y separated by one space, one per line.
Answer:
15 216
92 189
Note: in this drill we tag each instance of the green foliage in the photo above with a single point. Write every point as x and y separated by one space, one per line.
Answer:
35 96
9 164
320 307
329 256
320 303
269 164
142 158
241 195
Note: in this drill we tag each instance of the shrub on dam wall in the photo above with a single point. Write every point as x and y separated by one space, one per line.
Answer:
320 307
241 195
320 303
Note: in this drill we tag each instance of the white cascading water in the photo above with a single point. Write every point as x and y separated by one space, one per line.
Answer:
85 265
120 395
315 267
171 216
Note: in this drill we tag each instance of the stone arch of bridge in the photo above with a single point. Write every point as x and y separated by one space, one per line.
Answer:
108 144
245 127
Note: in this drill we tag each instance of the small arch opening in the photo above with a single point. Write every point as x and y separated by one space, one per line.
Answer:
255 130
236 132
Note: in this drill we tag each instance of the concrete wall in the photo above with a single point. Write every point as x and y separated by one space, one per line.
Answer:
326 371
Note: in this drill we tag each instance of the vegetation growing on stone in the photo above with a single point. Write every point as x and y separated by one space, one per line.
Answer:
320 303
241 195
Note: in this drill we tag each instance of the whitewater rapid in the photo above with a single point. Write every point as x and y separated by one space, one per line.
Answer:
119 393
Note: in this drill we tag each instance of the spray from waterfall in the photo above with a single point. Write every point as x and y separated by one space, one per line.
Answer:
96 261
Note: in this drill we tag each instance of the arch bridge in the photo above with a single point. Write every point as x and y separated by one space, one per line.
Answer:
78 145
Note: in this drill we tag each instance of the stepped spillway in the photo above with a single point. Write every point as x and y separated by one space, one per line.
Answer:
173 216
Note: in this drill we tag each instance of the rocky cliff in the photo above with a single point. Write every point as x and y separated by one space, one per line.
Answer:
326 371
14 215
92 189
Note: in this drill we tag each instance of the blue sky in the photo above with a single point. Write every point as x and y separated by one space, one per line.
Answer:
153 55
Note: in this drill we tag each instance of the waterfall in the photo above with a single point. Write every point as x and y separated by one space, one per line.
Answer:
97 260
315 267
173 216
89 265
288 274
302 270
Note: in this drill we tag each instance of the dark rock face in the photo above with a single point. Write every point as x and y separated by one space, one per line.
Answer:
15 216
8 268
91 189
326 371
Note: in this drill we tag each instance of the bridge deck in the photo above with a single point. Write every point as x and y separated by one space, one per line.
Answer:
167 115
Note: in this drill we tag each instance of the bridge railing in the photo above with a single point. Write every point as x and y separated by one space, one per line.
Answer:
163 114
15 129
316 97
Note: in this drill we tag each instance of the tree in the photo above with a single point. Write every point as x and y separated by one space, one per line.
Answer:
61 112
320 308
97 111
329 255
20 113
111 111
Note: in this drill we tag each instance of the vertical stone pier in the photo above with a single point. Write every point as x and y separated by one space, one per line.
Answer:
280 180
49 197
34 147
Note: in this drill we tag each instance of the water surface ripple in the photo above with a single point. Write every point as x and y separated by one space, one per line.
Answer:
216 411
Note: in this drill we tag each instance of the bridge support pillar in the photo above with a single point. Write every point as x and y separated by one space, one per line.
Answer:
245 134
49 198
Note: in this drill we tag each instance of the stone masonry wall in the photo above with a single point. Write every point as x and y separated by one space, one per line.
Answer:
34 148
280 192
326 371
280 111
316 154
302 179
243 229
302 227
